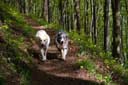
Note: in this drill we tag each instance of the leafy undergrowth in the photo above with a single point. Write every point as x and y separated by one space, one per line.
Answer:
99 63
13 47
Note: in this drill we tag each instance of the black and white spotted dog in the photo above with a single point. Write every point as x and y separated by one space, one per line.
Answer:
44 41
62 40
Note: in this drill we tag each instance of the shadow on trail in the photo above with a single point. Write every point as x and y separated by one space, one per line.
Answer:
42 78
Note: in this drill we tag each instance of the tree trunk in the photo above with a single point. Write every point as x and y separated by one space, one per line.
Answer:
71 16
91 25
86 19
94 22
116 50
45 15
93 28
126 32
49 11
64 14
61 12
77 15
106 25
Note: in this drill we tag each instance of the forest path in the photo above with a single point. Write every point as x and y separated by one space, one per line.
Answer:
55 71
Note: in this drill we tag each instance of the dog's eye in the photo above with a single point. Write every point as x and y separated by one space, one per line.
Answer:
45 40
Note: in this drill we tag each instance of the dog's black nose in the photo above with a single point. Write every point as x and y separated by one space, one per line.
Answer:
61 42
42 45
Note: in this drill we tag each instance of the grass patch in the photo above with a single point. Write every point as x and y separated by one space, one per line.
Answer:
87 64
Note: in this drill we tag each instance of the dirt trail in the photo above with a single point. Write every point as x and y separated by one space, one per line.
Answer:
55 71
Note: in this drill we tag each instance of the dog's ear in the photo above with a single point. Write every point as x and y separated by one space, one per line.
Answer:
59 33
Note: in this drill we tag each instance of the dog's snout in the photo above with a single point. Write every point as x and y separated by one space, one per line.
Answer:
61 42
42 45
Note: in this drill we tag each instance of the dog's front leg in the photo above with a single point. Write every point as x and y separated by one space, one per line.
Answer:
43 54
64 53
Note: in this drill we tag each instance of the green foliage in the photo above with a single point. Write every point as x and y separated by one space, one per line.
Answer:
87 64
14 55
86 45
125 76
126 64
39 20
2 81
118 69
108 79
91 68
25 77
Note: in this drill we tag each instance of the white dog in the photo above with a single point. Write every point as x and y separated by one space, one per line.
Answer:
44 41
62 41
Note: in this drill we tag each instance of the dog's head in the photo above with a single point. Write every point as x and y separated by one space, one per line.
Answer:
62 37
42 38
41 42
44 42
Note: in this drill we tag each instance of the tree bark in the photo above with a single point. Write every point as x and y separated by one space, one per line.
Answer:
94 22
61 12
86 18
106 25
46 10
77 15
116 50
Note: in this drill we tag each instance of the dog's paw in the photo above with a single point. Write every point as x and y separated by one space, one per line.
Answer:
43 60
63 59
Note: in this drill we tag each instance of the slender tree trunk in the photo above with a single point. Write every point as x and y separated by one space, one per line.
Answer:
64 14
94 22
68 22
77 14
61 12
71 19
106 25
49 11
116 50
71 16
20 5
30 6
122 38
67 15
26 7
86 19
126 32
126 4
46 10
91 25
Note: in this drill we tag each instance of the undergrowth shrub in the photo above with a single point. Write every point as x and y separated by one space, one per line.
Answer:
87 64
